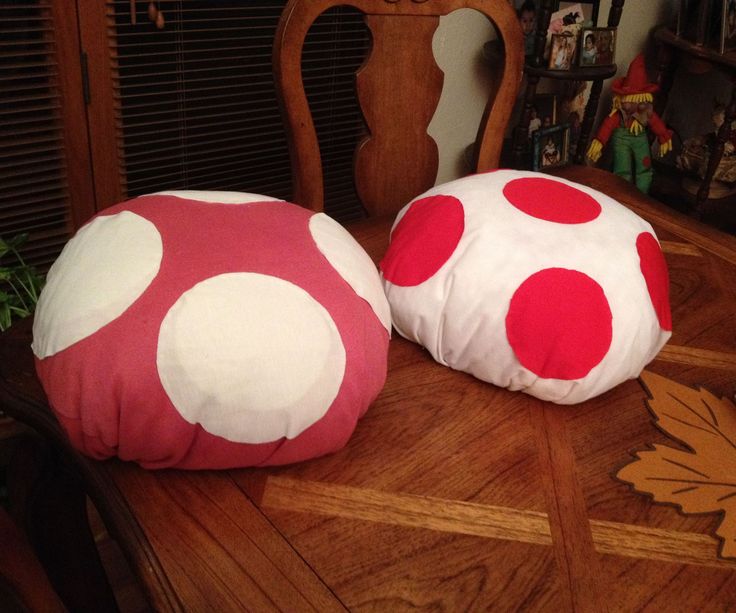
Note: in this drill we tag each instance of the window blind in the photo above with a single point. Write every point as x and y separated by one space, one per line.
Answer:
197 106
34 192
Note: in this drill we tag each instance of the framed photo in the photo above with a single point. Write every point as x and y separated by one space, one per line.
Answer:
543 113
587 11
728 26
562 52
551 146
597 46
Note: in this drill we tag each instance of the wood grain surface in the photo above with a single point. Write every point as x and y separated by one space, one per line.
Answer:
452 494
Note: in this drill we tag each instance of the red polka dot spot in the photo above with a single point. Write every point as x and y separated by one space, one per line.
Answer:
423 240
551 200
654 269
559 324
646 161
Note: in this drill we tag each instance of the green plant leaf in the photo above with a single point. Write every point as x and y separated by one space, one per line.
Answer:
20 284
17 240
4 316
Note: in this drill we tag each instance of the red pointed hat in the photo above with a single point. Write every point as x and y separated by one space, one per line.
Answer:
635 81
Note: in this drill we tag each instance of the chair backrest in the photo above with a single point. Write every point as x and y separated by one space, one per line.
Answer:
399 87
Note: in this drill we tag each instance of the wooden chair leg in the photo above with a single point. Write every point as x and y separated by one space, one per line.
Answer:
49 502
23 583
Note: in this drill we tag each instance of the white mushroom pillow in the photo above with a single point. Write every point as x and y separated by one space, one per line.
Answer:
529 282
211 330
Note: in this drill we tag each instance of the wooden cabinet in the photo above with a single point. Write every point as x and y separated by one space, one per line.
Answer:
678 53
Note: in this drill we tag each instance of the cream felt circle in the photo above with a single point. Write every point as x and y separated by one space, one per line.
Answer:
352 263
218 197
101 271
250 357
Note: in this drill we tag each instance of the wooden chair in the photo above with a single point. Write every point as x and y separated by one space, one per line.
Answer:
399 88
23 584
452 494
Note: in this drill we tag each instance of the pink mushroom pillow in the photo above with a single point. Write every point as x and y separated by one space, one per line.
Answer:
211 330
529 282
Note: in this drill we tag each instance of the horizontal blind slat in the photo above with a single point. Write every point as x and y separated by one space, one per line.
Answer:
197 106
34 195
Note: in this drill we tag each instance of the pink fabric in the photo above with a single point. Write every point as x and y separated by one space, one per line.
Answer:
106 390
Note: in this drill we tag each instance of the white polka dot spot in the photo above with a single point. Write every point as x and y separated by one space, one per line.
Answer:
218 197
102 270
352 263
250 357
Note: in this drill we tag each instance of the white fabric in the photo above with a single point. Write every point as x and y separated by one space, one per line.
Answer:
99 274
353 264
459 313
219 197
250 357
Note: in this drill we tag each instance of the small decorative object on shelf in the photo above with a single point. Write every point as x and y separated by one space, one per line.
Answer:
571 83
527 13
551 146
702 155
597 47
627 124
544 112
588 10
695 155
569 19
562 52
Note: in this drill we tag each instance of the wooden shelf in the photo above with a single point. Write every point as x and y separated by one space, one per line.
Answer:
536 69
723 60
673 51
576 73
668 188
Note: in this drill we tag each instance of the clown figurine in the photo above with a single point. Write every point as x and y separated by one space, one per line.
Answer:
626 126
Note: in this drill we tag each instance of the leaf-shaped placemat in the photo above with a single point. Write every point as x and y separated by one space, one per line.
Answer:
703 478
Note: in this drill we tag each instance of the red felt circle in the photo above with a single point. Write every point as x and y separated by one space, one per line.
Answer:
654 269
423 240
551 200
559 324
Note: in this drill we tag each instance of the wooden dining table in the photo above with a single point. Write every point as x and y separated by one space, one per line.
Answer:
507 504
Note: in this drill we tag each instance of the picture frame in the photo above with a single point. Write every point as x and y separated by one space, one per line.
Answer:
543 112
597 47
589 10
728 26
551 146
562 52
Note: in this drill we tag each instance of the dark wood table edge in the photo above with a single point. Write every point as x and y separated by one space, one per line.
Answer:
115 513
